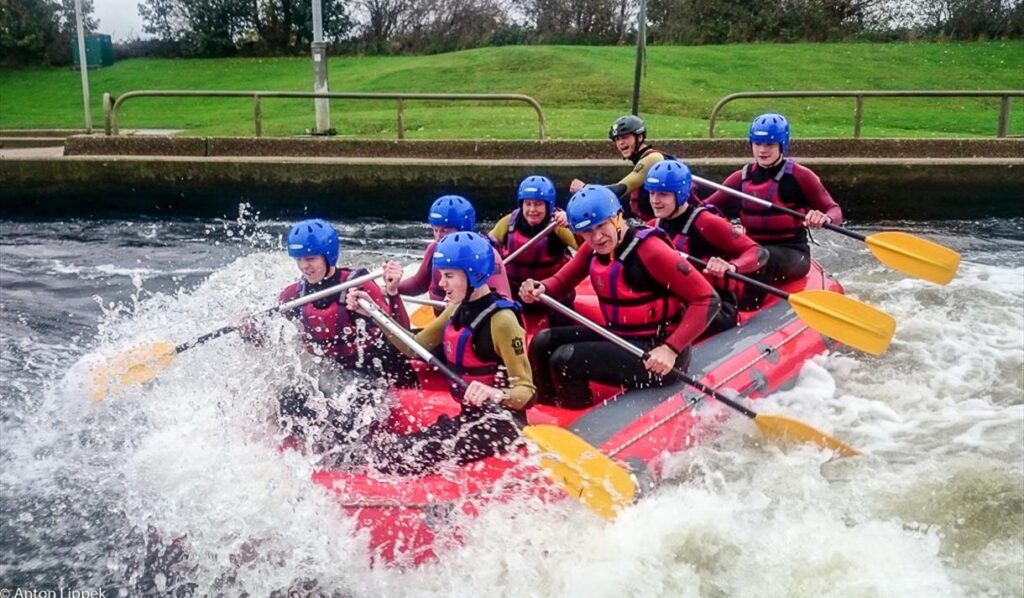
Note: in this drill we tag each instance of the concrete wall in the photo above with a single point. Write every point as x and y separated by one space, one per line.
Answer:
210 177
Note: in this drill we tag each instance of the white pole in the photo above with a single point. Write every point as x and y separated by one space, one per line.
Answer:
83 65
319 51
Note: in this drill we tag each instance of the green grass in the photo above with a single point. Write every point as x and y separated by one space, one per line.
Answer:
582 89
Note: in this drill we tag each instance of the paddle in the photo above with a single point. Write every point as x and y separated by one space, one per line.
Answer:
425 313
900 251
141 364
837 316
771 426
585 473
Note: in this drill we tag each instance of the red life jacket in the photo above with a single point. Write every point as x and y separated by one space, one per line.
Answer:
459 353
330 328
683 240
651 312
764 223
537 262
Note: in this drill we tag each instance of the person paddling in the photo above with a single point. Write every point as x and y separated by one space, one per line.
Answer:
535 211
448 214
629 133
647 293
783 182
350 343
698 232
483 339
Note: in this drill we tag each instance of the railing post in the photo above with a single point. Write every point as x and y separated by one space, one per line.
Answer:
106 113
401 118
257 114
858 114
1004 117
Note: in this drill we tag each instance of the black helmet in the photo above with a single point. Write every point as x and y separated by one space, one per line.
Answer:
626 125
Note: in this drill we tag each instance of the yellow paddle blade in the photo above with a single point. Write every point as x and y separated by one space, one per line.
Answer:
845 319
135 366
914 256
423 315
783 428
585 472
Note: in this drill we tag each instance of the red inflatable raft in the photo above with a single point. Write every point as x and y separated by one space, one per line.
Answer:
410 519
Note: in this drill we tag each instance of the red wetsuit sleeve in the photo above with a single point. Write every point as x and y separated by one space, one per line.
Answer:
818 198
726 203
387 304
418 283
571 274
667 267
732 245
499 280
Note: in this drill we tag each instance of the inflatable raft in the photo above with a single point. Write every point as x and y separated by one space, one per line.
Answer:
409 520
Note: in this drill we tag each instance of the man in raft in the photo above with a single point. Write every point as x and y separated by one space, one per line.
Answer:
629 133
702 234
535 210
347 342
647 293
785 183
448 214
483 340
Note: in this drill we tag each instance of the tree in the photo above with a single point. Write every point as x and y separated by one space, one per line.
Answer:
40 31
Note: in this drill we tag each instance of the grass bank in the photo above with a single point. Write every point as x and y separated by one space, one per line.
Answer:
581 89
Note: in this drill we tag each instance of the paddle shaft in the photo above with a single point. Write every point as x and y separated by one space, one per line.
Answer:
427 302
283 307
740 277
637 351
543 233
783 209
385 322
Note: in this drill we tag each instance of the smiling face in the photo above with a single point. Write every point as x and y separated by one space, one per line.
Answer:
627 144
314 268
441 231
535 211
663 203
454 284
604 237
766 154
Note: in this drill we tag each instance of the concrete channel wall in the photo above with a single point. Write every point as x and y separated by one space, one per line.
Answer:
209 177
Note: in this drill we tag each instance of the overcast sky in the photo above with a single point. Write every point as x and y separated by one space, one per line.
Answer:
119 18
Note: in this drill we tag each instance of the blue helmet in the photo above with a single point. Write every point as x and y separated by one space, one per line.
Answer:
537 187
466 251
591 206
670 175
314 237
770 128
452 211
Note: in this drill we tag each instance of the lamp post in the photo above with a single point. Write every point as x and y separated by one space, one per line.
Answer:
319 50
641 50
83 65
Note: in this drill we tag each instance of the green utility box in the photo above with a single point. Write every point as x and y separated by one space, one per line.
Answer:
99 51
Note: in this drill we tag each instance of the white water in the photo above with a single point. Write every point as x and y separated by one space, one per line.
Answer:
934 508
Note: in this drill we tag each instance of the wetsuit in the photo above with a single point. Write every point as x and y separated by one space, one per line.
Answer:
540 260
356 353
483 340
648 294
785 237
700 233
636 201
426 279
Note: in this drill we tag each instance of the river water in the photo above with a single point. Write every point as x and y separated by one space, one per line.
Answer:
109 495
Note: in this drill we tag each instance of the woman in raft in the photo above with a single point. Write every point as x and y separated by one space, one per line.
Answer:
483 340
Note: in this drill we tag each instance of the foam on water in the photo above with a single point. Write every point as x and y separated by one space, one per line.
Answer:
934 508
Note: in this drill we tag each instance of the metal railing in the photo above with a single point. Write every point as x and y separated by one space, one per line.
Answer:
112 105
1004 106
